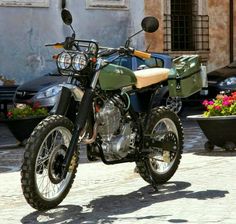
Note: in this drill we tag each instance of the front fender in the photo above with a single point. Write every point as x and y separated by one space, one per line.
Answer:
70 96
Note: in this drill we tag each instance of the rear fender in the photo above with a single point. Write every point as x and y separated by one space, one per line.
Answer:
160 94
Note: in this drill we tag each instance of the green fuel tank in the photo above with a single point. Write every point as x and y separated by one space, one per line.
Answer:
114 77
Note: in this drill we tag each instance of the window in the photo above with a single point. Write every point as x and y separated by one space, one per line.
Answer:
185 29
182 25
107 4
25 3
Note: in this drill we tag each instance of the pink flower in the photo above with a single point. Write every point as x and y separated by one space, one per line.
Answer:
210 102
205 103
226 103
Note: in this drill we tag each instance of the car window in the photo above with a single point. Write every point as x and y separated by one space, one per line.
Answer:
140 62
154 62
150 62
124 61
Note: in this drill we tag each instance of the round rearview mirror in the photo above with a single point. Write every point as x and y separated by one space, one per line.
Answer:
66 16
150 24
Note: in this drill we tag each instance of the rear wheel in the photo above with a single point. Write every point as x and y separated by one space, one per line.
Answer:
41 175
163 164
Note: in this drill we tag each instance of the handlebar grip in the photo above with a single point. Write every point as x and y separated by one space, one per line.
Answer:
56 45
141 54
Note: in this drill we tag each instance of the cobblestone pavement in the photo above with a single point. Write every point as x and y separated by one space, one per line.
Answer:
11 155
201 191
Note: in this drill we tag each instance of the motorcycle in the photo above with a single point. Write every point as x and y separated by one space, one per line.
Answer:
111 111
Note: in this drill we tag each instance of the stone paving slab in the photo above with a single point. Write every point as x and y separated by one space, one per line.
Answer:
203 190
7 140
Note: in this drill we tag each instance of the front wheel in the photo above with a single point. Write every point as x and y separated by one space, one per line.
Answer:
163 163
42 182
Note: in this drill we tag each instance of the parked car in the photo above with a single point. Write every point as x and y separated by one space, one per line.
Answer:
46 89
222 79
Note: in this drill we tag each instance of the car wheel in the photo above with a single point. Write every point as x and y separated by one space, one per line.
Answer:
175 104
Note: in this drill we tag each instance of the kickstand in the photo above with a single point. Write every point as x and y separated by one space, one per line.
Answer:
153 181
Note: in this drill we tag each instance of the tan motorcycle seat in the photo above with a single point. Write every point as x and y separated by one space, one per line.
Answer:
147 77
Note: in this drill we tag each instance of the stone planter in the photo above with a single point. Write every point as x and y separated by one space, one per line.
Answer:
219 130
22 128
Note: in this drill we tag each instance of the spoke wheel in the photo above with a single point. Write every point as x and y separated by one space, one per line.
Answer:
164 163
42 182
163 160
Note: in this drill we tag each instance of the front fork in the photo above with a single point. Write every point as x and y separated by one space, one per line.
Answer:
81 118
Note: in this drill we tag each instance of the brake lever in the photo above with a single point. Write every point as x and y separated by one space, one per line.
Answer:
125 51
108 52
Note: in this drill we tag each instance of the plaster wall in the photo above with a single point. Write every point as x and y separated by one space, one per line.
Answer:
155 40
218 12
24 31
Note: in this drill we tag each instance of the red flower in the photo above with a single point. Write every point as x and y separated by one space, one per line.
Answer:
9 114
217 107
36 105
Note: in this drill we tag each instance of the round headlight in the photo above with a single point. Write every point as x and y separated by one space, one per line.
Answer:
64 60
79 62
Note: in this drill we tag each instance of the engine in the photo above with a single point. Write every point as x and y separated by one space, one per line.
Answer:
115 130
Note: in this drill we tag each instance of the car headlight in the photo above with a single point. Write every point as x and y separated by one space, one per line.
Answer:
228 82
50 92
79 62
64 60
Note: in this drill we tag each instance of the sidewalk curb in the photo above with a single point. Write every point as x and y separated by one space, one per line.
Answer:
9 146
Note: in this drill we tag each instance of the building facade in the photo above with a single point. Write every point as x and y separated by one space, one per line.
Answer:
204 27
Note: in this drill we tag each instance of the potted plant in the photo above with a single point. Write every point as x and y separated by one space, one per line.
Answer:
22 120
218 122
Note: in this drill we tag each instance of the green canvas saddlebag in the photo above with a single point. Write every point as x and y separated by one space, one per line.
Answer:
185 79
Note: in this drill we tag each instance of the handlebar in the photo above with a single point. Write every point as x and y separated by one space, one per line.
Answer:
56 45
108 52
67 44
123 50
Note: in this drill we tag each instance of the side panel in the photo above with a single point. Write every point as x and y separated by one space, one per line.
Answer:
114 77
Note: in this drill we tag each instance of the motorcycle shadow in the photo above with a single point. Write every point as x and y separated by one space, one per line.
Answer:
104 209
